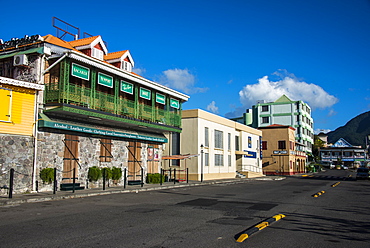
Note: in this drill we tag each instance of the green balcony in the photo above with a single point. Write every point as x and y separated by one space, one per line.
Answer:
95 100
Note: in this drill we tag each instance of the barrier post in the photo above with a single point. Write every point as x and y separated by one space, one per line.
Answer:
187 175
174 176
160 181
74 180
142 177
104 178
11 181
124 178
55 181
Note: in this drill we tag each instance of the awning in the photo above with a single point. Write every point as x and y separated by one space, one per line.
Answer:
179 157
47 123
32 50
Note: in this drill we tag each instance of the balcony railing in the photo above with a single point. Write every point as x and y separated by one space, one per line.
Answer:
86 97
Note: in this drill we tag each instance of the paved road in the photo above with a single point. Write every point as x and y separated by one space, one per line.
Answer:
204 216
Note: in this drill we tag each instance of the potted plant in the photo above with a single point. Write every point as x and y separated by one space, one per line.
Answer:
47 175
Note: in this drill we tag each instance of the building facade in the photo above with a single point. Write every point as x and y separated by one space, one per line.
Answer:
94 110
225 147
281 154
342 153
18 116
283 111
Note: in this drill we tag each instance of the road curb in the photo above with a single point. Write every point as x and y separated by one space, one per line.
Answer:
9 202
247 233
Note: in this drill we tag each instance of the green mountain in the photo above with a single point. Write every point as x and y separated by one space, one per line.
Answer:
354 131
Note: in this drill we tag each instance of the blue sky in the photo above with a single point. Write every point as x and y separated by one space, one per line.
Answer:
227 54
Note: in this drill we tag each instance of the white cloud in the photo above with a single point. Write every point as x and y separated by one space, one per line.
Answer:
332 112
139 71
212 107
181 80
289 85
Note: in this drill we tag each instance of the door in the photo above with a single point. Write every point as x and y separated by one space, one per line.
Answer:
70 158
134 161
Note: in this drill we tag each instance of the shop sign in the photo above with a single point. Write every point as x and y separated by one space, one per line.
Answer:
159 98
14 42
174 103
144 93
95 131
280 152
105 80
80 71
150 154
127 87
250 154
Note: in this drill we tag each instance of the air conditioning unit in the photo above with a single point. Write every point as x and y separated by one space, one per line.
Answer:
20 59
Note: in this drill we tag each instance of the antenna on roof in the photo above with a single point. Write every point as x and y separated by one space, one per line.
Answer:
67 30
86 35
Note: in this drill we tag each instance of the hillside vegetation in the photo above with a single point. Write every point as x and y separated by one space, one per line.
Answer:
354 131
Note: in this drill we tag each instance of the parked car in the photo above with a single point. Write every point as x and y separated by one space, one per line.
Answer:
362 173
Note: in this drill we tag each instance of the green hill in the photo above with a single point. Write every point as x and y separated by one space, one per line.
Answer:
354 131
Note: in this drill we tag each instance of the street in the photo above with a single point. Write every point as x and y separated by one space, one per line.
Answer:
202 216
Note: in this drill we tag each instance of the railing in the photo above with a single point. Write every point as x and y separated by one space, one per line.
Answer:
85 97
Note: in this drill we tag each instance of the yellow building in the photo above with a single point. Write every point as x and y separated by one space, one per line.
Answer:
281 154
17 127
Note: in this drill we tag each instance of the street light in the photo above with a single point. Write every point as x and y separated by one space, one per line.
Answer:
201 162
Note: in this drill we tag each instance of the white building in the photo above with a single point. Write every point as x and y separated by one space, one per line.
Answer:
225 147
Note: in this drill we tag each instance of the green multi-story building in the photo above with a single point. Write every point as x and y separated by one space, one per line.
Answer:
283 111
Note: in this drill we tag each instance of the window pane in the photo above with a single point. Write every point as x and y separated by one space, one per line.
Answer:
218 139
281 144
206 137
264 145
206 159
175 147
237 143
219 160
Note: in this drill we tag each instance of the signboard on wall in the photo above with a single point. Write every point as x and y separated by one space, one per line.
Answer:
145 93
174 103
159 98
150 154
127 87
105 80
156 154
250 154
80 71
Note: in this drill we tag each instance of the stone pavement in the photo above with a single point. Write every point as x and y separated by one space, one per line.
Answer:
60 195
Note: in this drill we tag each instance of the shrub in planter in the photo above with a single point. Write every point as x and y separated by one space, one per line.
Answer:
107 172
94 174
116 173
47 175
155 178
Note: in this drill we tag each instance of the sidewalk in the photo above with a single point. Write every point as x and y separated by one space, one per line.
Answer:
60 195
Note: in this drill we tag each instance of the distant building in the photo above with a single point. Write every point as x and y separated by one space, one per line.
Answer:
283 111
281 154
343 153
324 138
225 148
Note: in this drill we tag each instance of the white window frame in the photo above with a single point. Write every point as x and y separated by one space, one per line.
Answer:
126 66
96 53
